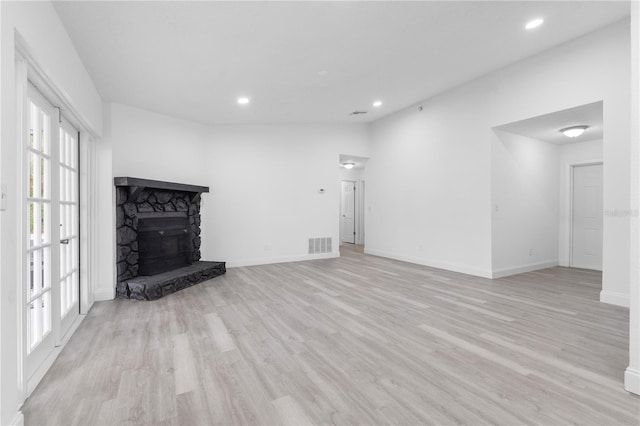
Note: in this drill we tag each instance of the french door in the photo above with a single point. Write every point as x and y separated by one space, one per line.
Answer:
51 258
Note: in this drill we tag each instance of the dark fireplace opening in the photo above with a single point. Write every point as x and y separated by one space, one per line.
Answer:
164 241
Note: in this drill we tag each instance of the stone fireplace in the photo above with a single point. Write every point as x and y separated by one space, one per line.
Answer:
158 238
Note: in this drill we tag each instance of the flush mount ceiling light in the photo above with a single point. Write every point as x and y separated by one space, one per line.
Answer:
243 101
348 165
535 23
377 104
574 131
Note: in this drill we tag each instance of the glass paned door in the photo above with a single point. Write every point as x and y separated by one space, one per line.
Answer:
69 226
51 258
38 259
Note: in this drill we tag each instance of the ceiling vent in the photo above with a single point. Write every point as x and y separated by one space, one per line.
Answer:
358 112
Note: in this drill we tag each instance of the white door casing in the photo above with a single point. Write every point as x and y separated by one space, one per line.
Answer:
587 217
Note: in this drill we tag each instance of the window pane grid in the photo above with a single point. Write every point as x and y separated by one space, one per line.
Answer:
45 159
38 253
69 207
39 319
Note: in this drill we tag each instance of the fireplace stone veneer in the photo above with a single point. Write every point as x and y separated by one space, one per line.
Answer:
137 199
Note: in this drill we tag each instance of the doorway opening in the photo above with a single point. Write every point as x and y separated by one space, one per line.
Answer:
352 196
348 209
535 163
51 232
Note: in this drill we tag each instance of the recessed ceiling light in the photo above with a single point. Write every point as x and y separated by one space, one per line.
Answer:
243 101
377 103
574 131
534 23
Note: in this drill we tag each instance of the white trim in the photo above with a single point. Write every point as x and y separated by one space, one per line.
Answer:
360 184
88 213
104 294
37 376
614 298
632 380
21 76
514 270
51 89
18 419
431 263
281 259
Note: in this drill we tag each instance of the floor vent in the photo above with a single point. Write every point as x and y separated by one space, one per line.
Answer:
319 245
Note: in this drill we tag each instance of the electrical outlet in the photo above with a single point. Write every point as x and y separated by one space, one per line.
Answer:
530 252
3 197
420 247
267 247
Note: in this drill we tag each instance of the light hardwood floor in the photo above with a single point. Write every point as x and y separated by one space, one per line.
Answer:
354 340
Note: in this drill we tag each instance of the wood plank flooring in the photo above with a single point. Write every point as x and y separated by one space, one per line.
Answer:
354 340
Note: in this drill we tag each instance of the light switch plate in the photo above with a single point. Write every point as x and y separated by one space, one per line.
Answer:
3 197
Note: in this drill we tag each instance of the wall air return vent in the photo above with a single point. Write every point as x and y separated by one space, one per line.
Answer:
320 245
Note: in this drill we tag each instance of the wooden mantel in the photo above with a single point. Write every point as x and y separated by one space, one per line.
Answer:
136 185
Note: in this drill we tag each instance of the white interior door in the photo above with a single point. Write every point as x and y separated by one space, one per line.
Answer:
347 215
587 217
51 261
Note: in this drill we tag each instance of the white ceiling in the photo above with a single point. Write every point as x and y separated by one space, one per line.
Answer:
193 59
547 127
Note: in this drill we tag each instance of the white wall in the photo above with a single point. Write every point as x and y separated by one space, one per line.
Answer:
264 202
570 154
267 180
428 184
429 176
524 196
354 174
531 201
155 146
48 44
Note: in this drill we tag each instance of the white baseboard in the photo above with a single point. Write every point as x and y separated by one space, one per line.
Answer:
431 263
632 380
514 270
614 298
281 259
104 294
18 420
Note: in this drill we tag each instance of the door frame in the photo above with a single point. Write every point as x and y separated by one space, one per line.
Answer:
28 69
569 189
359 211
355 210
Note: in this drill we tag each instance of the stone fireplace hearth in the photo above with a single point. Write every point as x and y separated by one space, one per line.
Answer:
158 238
